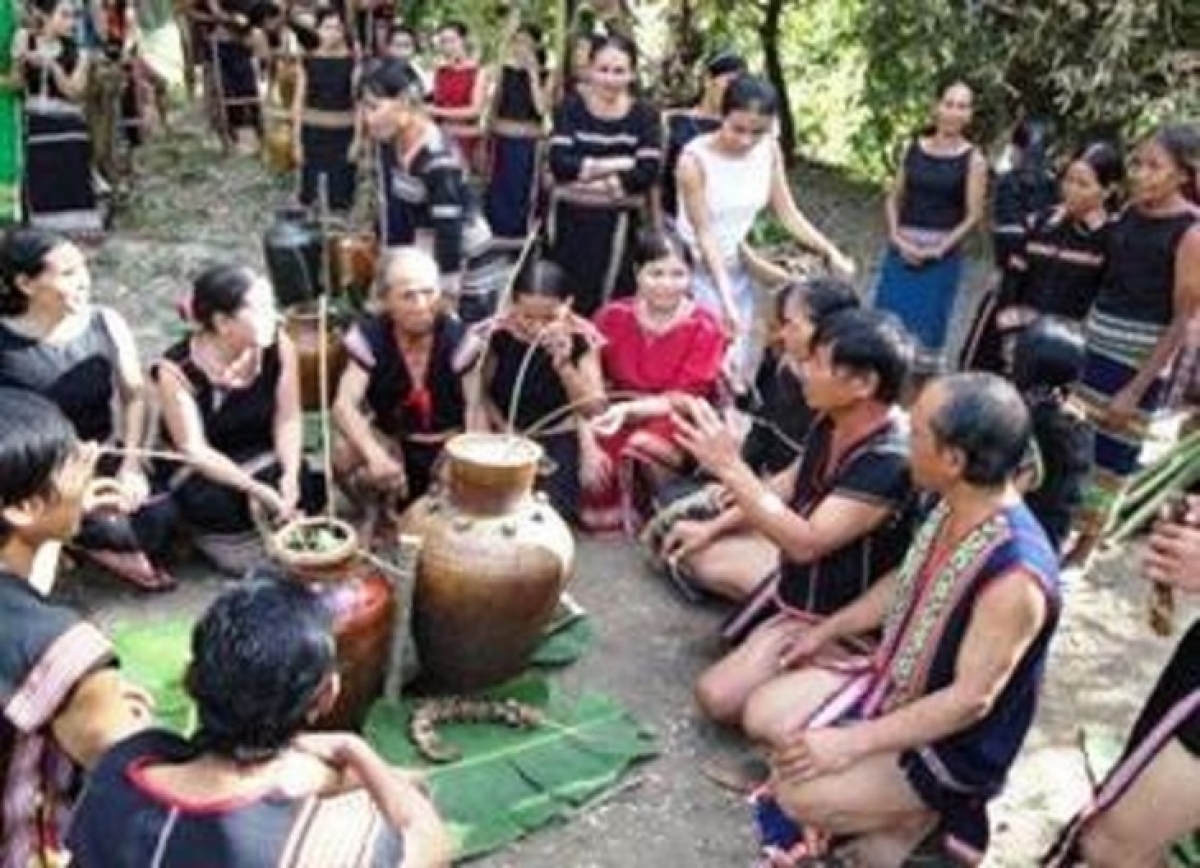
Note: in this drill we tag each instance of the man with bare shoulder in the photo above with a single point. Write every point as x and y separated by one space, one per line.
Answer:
63 700
913 748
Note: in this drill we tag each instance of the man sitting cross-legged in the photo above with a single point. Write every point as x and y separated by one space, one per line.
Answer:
839 515
925 736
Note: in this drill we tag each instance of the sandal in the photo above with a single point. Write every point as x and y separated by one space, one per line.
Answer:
133 567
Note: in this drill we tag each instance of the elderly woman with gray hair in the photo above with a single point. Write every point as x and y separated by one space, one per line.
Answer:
401 396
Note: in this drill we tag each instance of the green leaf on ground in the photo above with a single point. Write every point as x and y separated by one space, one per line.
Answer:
511 782
155 656
565 645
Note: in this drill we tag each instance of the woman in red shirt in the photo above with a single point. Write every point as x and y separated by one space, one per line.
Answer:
658 343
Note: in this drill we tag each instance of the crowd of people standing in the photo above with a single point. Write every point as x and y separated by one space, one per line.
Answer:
564 259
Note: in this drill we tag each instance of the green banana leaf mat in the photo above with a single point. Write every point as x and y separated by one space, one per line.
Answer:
507 784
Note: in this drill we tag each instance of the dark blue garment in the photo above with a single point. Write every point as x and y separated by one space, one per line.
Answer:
957 775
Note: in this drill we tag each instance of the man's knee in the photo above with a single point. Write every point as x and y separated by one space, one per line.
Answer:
765 719
809 804
718 699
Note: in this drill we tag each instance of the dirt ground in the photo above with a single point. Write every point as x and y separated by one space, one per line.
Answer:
191 204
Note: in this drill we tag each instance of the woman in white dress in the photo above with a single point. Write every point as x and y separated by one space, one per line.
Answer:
726 178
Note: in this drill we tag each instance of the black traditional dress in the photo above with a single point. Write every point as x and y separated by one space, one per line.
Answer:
517 136
239 424
430 184
522 385
591 233
418 417
79 377
327 131
59 193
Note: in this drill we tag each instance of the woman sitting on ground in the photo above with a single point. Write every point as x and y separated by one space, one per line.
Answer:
250 788
541 376
657 344
780 425
402 369
230 397
780 415
55 342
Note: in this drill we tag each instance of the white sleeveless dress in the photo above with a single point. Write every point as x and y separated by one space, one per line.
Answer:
736 190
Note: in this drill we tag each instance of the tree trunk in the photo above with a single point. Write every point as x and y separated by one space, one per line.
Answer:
768 33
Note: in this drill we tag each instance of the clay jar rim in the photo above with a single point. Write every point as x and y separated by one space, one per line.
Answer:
494 482
302 562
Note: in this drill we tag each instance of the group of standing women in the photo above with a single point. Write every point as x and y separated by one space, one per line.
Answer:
1123 273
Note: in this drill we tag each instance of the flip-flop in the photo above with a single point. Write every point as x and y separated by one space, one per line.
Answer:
743 776
133 567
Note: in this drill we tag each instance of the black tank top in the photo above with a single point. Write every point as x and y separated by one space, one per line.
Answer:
1140 283
40 81
77 376
935 189
236 422
330 83
514 100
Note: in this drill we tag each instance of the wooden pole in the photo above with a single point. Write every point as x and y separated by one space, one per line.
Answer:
323 385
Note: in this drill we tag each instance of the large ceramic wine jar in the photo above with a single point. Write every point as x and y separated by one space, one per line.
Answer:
494 560
362 603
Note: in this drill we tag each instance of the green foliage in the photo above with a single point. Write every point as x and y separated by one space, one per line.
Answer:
155 656
511 782
1113 65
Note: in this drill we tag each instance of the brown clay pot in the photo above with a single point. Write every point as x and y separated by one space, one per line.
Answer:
362 603
302 324
352 257
494 560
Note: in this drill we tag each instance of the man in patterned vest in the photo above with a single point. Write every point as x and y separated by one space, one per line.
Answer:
64 702
913 746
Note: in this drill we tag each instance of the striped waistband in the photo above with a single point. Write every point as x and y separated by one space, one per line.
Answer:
46 105
1124 339
588 199
327 119
517 129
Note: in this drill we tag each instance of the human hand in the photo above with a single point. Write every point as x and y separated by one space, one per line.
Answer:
1173 549
134 488
705 435
840 264
910 253
337 749
685 538
595 467
289 491
354 151
556 340
384 470
271 500
803 648
1124 404
298 152
818 752
609 422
